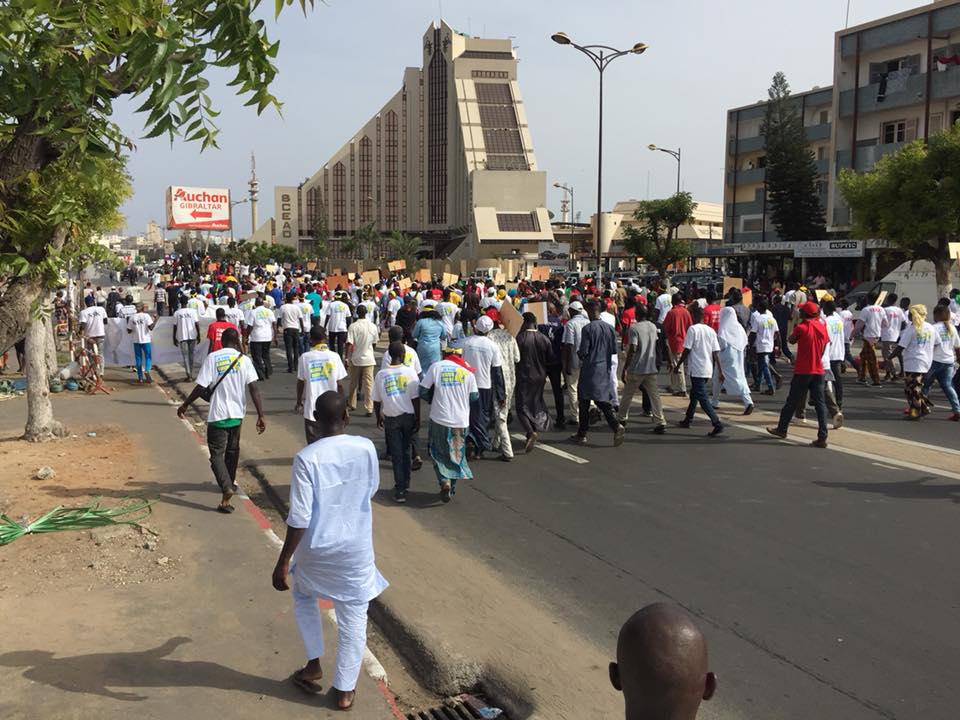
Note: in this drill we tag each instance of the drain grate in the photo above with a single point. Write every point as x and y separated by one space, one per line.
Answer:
465 707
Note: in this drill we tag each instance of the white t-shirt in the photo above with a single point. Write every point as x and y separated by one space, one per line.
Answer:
452 386
848 324
186 320
337 313
229 401
874 320
765 328
396 388
448 313
918 347
663 305
393 307
235 315
482 354
372 310
92 320
261 320
702 342
363 335
291 316
410 360
320 369
140 324
835 331
949 342
895 320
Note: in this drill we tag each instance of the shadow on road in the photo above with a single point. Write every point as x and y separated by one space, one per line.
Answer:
170 493
100 673
904 490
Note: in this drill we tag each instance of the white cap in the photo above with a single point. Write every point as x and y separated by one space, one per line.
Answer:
484 324
576 305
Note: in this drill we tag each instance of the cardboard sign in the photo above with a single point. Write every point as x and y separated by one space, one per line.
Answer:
370 277
397 265
424 275
350 275
213 267
334 280
820 294
286 266
541 273
731 282
510 318
270 268
450 279
499 279
747 297
405 284
539 309
881 297
311 266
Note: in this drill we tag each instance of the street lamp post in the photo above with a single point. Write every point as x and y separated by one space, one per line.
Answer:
676 156
601 56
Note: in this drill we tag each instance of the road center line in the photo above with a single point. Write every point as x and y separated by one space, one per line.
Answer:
554 451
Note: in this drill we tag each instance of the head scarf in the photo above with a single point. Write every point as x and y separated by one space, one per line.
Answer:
918 314
731 331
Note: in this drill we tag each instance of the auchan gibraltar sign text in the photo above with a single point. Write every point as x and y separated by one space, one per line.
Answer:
190 208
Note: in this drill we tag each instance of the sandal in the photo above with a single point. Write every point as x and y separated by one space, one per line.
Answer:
308 686
225 509
341 694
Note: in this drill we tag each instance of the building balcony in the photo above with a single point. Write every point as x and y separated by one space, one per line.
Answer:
867 157
912 95
747 177
945 84
818 132
823 166
746 145
747 207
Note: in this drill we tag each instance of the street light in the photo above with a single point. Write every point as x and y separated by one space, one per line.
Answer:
676 156
601 56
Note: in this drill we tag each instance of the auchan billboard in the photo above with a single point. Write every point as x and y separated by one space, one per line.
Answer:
191 208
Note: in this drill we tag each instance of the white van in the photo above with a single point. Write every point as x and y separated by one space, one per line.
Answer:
919 283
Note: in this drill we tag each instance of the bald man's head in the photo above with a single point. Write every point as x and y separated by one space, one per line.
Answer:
661 665
330 413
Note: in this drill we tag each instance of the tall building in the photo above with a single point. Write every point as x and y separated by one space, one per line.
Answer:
449 158
896 79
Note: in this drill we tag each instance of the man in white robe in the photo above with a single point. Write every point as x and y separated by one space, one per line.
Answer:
330 541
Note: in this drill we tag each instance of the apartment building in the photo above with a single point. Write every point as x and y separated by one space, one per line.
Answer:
449 158
896 79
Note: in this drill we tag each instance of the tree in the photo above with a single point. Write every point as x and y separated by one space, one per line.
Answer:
654 237
912 199
365 242
404 247
320 231
791 175
63 65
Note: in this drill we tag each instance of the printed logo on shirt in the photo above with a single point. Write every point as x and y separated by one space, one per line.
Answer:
223 363
923 337
767 323
395 384
453 377
946 334
320 370
263 313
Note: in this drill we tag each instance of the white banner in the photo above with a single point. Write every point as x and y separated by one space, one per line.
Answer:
118 343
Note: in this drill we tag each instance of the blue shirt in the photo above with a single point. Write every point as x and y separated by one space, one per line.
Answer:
428 332
315 300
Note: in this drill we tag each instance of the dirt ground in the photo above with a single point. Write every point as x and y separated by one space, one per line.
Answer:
96 463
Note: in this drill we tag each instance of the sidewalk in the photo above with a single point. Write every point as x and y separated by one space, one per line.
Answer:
115 623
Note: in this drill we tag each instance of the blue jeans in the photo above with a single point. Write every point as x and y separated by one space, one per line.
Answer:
143 358
763 369
399 433
943 373
699 394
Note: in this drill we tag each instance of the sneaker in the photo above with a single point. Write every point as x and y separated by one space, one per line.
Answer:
618 435
862 381
506 458
683 424
768 391
748 410
819 443
777 432
838 421
659 430
717 429
647 413
876 384
416 464
578 439
399 496
445 492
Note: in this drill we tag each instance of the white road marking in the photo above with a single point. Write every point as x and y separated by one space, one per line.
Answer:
554 451
888 467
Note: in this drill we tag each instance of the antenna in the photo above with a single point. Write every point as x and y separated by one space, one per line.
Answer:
848 15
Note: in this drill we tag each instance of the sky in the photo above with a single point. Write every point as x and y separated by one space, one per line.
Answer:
340 63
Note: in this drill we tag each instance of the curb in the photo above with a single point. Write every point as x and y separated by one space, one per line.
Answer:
437 665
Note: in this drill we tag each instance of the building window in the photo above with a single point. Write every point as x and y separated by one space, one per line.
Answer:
390 169
365 181
893 132
936 124
518 222
821 186
822 152
753 223
486 55
339 198
490 74
437 141
762 161
824 117
501 130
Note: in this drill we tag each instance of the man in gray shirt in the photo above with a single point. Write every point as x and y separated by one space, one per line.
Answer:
571 360
640 369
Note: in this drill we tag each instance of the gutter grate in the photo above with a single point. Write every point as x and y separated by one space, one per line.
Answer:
463 707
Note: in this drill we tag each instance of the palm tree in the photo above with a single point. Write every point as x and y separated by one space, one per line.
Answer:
404 247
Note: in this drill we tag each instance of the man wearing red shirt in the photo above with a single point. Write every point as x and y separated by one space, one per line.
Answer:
811 339
675 325
215 331
711 313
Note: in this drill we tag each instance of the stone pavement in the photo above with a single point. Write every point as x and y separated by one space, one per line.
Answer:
212 638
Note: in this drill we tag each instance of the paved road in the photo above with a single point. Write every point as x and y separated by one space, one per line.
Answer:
826 581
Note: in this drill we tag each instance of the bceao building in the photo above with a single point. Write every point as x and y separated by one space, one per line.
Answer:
449 158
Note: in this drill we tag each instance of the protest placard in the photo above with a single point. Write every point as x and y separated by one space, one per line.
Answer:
510 318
